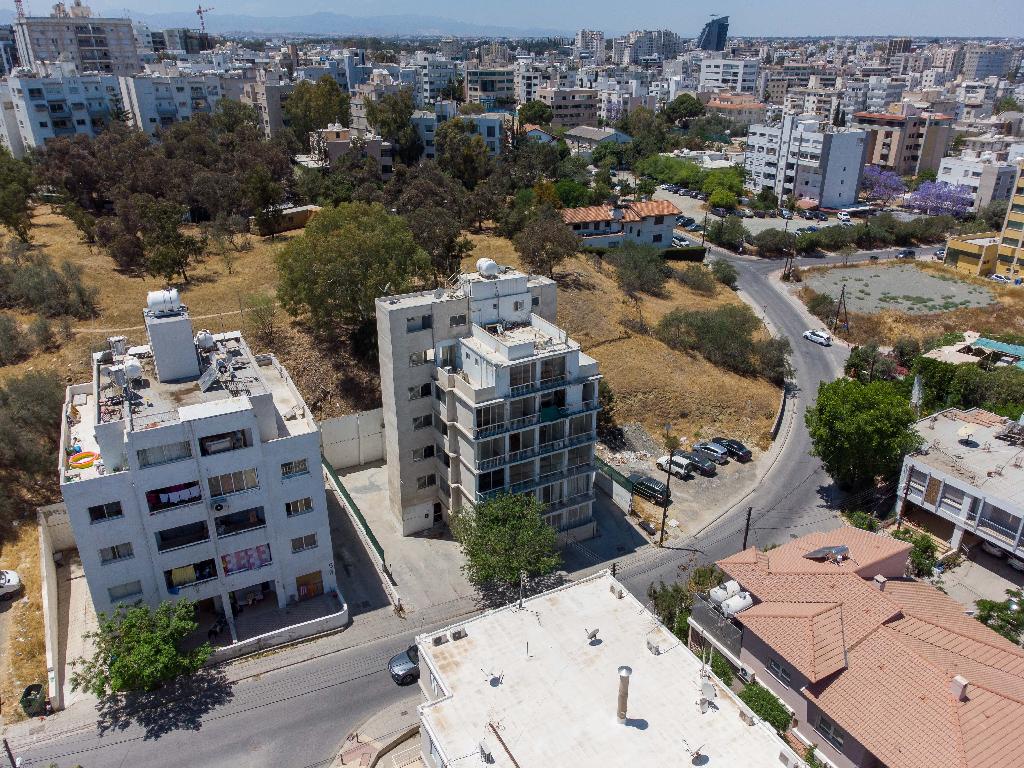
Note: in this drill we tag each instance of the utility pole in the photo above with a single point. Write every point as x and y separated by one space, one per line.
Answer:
746 528
668 486
704 231
841 308
10 755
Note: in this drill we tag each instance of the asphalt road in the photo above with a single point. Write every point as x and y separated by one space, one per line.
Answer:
298 716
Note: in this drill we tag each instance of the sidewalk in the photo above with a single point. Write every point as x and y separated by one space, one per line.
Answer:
381 733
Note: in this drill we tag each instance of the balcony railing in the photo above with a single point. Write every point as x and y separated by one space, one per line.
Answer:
538 386
720 630
501 427
533 483
570 501
584 407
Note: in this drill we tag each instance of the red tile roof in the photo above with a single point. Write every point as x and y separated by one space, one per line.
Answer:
653 208
587 214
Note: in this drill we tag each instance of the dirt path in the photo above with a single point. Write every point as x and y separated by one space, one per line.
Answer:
142 327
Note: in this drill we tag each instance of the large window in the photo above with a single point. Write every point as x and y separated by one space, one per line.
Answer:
123 591
164 454
297 467
423 422
302 543
109 511
243 520
225 441
779 672
833 734
298 507
182 536
116 552
234 482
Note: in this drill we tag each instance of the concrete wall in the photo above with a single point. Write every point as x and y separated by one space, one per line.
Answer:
620 496
54 536
358 438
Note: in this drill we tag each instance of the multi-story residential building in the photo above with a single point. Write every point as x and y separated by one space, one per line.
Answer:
613 104
157 101
988 253
808 158
987 179
737 75
191 467
608 226
810 100
60 104
484 395
328 145
741 108
529 78
714 34
8 50
591 43
985 61
267 95
905 143
641 47
570 107
895 46
1011 239
876 669
492 127
489 703
433 77
490 86
72 33
380 84
10 133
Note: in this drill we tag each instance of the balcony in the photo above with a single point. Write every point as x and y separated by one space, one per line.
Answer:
173 496
538 386
570 501
710 622
501 427
182 536
585 407
239 522
187 575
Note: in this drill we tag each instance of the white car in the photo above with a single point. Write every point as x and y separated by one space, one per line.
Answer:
680 465
843 216
1001 279
9 583
819 337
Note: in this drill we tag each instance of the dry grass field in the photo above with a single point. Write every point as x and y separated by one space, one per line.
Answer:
23 660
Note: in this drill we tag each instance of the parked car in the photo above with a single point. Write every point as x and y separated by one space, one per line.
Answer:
680 242
695 227
759 214
1015 562
843 217
906 253
405 666
700 463
722 212
744 201
744 213
10 583
805 214
820 215
940 254
736 449
702 196
685 221
713 451
992 549
1001 279
819 337
651 489
680 465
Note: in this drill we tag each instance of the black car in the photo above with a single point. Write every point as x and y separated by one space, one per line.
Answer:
720 212
405 667
820 216
804 214
651 489
703 465
906 253
736 449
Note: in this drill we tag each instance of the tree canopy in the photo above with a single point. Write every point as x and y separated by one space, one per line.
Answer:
535 113
391 117
312 106
545 241
16 186
462 152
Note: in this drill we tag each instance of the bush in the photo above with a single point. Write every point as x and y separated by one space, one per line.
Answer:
775 242
722 198
822 306
766 706
906 351
13 347
28 281
724 272
923 554
42 333
639 269
721 668
862 520
728 232
697 278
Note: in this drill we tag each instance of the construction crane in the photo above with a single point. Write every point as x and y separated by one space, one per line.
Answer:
19 8
201 13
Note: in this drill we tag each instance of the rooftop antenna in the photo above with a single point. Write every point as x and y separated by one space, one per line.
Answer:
201 13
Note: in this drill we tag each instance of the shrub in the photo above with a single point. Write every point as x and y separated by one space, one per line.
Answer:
775 242
728 232
724 272
906 351
13 347
639 269
42 333
862 520
822 306
923 554
697 278
766 706
721 667
722 198
28 281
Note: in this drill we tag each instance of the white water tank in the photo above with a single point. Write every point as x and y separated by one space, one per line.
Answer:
723 592
163 302
132 368
737 603
204 340
487 267
116 374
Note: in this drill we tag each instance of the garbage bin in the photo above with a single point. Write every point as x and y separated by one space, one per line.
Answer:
33 700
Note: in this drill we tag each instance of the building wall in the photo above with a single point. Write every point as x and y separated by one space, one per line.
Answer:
93 44
571 107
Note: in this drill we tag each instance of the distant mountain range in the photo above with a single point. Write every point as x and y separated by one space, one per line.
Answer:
327 23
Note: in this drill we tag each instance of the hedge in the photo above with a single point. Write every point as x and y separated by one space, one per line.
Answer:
687 253
767 706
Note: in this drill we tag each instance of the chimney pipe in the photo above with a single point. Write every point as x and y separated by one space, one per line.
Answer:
624 673
880 582
958 687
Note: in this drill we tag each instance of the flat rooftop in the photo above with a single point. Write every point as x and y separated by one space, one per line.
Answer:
446 293
529 684
989 459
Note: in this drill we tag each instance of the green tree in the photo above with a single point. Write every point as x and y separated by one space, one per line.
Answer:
16 187
639 269
471 108
906 350
462 152
168 250
14 344
1004 616
535 113
923 553
775 242
391 117
263 197
861 431
545 241
1008 104
728 232
312 106
606 399
454 89
572 194
722 198
867 364
436 208
139 649
683 108
504 537
724 272
766 199
344 260
994 213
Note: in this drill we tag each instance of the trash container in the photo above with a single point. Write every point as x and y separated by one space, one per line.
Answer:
33 700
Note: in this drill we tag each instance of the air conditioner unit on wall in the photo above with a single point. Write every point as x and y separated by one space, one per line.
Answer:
219 504
745 675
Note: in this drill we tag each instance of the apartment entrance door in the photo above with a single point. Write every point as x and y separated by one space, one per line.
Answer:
309 585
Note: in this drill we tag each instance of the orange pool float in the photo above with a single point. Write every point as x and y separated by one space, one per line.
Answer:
83 459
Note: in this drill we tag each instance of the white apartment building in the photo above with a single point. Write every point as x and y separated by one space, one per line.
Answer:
10 134
72 33
736 75
591 42
986 178
491 126
613 104
570 107
63 104
529 78
190 467
484 395
432 77
805 156
157 101
606 226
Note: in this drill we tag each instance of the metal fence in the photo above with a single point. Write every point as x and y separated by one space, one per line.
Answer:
716 626
356 511
614 474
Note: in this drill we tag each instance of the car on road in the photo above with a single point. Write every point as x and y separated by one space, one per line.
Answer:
10 583
843 217
405 666
873 257
736 449
651 489
1001 279
680 465
906 253
700 463
712 451
819 337
940 254
680 242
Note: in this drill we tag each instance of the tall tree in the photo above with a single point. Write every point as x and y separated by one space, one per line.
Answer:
312 106
462 152
683 108
391 117
545 241
535 113
940 197
262 196
881 184
16 186
168 250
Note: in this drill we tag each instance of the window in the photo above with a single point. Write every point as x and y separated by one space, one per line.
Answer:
237 522
116 552
122 591
423 422
536 301
833 734
419 454
656 238
517 306
423 390
233 482
413 324
302 543
225 441
659 220
779 672
457 320
298 507
297 467
109 511
427 481
182 536
164 454
421 358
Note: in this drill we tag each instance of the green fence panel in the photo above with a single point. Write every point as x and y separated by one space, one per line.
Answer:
614 474
355 509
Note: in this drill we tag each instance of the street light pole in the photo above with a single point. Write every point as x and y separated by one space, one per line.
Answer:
704 231
668 487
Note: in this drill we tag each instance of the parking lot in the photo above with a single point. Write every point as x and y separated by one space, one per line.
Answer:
694 208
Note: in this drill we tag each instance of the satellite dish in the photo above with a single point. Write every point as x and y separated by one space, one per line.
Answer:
592 634
707 691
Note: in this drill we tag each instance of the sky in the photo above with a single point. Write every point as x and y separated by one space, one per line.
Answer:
747 17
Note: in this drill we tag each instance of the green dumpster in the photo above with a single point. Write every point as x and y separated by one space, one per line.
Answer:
33 700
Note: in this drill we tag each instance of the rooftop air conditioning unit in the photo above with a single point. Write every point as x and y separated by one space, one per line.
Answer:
745 675
459 633
219 504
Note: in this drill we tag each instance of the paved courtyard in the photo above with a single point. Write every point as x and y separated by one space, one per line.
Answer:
903 287
981 576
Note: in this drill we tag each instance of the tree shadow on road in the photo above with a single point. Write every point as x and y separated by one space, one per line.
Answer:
179 706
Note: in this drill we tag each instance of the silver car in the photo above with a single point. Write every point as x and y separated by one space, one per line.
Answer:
712 451
680 465
10 583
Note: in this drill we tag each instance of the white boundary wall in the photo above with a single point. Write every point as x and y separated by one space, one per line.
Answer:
349 441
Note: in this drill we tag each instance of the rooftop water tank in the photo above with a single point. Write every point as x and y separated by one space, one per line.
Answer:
204 340
132 368
723 592
737 603
487 267
163 302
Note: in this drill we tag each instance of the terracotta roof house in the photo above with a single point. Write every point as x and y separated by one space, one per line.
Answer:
607 226
878 670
